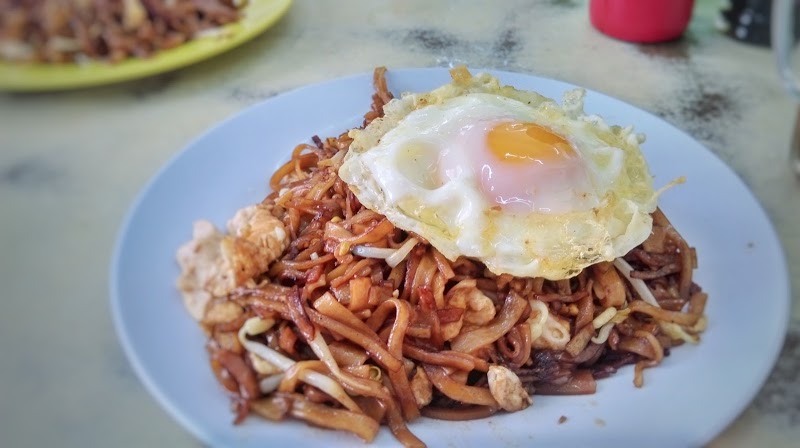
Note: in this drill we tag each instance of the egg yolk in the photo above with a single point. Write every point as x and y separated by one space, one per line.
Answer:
526 167
517 142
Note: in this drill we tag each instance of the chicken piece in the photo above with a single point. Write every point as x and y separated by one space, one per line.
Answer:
451 329
257 225
478 309
422 388
222 312
507 389
213 264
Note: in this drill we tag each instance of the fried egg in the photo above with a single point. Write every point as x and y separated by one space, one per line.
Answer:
529 187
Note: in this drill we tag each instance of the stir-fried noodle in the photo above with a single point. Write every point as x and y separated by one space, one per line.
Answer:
358 324
57 31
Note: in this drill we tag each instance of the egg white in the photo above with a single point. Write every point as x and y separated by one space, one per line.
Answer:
394 166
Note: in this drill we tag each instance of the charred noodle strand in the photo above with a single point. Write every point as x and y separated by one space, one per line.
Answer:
580 340
307 264
302 162
364 216
697 304
687 263
580 383
244 376
379 316
289 167
438 289
553 297
298 312
374 233
321 188
446 358
402 387
680 318
331 307
512 310
519 340
653 341
398 378
359 424
408 281
351 272
381 90
443 265
461 414
663 271
638 371
398 333
298 150
398 426
360 386
660 219
345 263
457 391
423 278
376 350
585 311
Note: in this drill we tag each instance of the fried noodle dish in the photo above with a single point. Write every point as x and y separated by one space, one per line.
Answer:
319 308
55 31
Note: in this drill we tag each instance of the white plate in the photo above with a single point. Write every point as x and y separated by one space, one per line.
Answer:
686 401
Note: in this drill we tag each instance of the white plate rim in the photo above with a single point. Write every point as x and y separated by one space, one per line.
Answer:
775 342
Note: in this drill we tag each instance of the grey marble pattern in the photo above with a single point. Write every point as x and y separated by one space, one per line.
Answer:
71 163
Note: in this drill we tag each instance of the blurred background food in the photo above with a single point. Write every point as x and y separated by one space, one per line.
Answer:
114 30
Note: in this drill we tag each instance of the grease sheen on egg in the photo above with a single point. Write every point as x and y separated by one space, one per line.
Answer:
525 185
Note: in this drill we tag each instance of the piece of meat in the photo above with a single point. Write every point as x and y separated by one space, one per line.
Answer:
478 308
507 389
422 388
214 264
257 225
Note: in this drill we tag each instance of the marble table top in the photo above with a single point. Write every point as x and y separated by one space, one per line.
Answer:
72 162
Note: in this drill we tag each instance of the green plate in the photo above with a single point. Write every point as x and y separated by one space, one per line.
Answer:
257 16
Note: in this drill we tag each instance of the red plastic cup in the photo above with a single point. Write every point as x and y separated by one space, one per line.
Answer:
644 21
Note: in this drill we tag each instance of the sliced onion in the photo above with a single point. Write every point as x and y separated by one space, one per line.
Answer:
638 284
373 252
402 252
270 384
393 257
316 379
